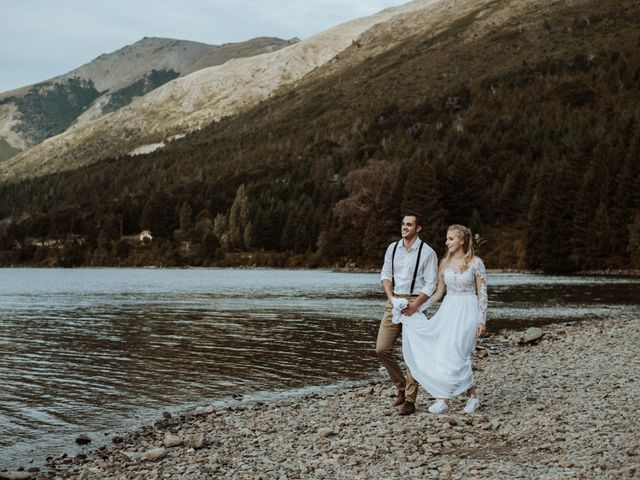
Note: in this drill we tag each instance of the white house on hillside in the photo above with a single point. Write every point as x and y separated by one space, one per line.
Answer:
145 236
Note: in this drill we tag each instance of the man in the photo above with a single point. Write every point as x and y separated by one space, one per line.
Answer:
410 271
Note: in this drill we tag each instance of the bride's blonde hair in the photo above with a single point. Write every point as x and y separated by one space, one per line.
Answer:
466 236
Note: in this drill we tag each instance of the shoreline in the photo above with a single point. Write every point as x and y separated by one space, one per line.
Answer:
563 405
626 273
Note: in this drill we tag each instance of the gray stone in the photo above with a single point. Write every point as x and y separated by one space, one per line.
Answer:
132 456
171 440
532 334
155 454
195 441
326 432
15 475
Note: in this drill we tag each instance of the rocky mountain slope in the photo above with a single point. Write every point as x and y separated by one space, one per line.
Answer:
31 114
196 100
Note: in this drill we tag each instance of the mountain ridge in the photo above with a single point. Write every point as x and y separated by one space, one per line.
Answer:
128 72
194 101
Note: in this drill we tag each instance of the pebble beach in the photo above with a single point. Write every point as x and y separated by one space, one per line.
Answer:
557 402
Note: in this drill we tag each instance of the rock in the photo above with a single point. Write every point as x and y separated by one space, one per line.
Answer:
365 392
15 475
446 470
326 432
155 454
531 335
132 456
171 440
83 439
195 441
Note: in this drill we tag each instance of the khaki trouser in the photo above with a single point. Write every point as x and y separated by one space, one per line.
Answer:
387 335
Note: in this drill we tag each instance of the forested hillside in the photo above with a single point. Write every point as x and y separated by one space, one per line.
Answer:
528 133
50 108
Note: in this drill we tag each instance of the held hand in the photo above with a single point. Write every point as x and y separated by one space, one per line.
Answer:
410 310
481 329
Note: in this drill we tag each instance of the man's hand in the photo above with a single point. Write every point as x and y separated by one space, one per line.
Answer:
410 309
481 329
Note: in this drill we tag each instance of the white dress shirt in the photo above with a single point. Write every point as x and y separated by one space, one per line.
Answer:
404 265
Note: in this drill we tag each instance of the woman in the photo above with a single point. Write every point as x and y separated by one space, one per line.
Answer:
438 350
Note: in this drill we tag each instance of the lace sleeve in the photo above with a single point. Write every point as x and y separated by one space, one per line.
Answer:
483 299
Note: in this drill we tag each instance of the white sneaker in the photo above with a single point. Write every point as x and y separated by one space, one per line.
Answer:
439 407
472 405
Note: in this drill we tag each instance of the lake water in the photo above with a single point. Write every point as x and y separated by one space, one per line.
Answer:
100 350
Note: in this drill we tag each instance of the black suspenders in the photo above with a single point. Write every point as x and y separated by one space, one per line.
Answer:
393 256
415 271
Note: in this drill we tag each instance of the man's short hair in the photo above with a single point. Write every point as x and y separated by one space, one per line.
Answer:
417 216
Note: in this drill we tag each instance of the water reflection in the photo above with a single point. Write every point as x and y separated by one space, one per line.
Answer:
92 350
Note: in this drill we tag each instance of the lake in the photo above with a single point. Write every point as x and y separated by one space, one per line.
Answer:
102 350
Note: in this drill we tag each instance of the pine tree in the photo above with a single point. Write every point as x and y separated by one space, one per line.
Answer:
535 238
623 206
247 236
158 215
383 225
186 217
633 248
423 195
221 230
600 244
465 190
238 218
584 211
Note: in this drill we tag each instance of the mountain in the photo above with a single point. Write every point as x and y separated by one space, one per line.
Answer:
194 101
518 118
32 114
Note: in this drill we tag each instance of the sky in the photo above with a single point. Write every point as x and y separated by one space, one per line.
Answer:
40 39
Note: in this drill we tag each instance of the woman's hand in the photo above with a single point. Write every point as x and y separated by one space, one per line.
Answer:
481 329
410 309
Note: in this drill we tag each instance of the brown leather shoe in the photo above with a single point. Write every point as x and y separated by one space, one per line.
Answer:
408 408
399 400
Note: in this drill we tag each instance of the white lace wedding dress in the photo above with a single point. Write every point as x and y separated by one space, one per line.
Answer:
438 350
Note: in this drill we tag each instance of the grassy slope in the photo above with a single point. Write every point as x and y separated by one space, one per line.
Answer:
6 150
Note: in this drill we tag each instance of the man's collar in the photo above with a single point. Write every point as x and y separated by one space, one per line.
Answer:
415 245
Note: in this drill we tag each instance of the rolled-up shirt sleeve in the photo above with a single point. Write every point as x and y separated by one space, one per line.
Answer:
430 274
386 272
